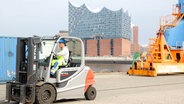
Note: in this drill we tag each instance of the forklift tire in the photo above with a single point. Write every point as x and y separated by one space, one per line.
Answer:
45 94
90 93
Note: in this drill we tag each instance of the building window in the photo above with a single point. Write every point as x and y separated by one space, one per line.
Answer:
98 47
112 47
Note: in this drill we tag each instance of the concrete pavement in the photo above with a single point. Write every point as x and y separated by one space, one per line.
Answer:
119 88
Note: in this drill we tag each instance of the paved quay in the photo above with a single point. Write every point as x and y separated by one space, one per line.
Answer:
119 88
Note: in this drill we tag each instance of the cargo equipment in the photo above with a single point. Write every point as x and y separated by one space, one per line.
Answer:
164 57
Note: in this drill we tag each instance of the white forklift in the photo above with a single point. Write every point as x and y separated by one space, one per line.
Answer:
33 82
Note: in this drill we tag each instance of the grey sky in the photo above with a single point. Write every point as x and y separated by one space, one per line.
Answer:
47 17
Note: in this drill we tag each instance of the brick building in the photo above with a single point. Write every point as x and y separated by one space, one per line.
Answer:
135 47
122 47
108 47
105 47
91 47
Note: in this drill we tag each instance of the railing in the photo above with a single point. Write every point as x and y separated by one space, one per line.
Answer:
175 10
151 44
172 20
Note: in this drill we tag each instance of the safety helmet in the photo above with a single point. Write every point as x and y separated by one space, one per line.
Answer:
62 41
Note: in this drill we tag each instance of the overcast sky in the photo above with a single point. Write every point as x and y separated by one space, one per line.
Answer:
47 17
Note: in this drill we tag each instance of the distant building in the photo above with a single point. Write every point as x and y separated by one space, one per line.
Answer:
105 32
103 24
63 33
135 47
107 47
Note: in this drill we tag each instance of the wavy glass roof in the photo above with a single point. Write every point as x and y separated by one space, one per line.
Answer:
88 23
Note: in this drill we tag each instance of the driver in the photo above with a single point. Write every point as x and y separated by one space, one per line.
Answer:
61 56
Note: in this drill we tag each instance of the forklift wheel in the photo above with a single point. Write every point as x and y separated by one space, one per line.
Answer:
90 93
45 94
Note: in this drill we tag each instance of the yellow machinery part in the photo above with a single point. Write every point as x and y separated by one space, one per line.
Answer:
169 68
143 72
158 69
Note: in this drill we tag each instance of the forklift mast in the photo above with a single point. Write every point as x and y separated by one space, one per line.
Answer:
27 59
23 88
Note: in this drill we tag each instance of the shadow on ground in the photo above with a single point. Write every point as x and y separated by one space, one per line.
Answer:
68 100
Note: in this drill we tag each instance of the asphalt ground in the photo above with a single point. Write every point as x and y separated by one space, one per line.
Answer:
119 88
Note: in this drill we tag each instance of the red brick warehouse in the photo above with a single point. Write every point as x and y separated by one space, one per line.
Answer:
108 47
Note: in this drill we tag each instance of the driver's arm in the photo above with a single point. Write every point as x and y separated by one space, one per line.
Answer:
63 52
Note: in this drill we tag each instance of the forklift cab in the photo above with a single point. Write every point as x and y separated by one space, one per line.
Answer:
75 61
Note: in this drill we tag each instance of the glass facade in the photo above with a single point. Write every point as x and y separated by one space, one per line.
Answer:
85 24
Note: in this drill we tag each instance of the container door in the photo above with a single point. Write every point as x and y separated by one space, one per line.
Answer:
7 58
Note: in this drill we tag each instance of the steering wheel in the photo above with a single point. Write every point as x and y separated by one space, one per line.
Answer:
54 56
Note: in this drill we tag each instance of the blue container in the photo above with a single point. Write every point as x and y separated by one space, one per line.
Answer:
175 35
7 58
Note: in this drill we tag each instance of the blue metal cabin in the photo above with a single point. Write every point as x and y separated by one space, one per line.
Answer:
175 35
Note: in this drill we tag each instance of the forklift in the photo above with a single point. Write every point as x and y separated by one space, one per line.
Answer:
34 84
